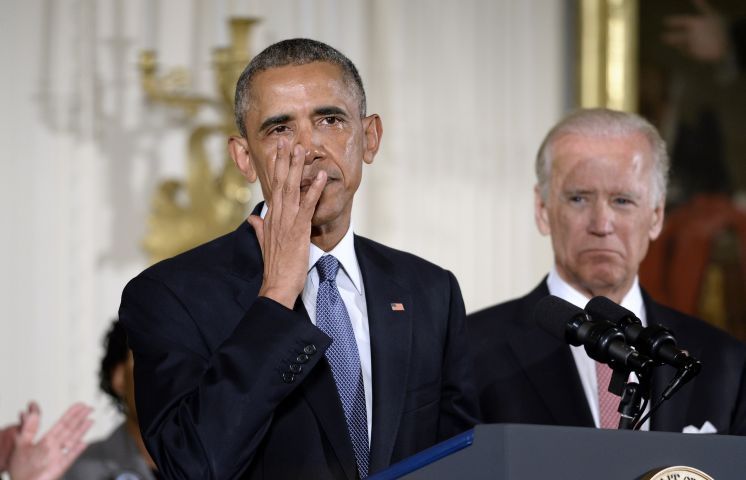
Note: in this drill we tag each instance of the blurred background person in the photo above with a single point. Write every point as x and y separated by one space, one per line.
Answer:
122 455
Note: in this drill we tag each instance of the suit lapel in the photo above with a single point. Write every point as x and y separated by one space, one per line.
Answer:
319 388
247 261
320 392
390 338
550 368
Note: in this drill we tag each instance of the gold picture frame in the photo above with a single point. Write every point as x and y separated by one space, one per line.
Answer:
608 42
627 61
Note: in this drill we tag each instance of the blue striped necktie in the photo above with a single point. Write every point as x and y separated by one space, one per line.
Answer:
332 318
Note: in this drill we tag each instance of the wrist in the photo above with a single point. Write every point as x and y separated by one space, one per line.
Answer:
279 295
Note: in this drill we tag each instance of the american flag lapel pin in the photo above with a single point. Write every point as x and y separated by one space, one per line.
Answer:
397 307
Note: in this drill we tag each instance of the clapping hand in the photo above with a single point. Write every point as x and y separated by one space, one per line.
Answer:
48 458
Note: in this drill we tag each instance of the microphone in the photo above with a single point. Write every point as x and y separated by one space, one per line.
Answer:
653 341
603 341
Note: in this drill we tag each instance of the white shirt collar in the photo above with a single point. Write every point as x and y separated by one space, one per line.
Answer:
344 252
558 287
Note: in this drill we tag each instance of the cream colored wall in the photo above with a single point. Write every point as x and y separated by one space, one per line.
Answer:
465 88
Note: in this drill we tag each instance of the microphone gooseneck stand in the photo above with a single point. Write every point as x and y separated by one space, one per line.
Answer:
634 399
653 341
613 335
688 370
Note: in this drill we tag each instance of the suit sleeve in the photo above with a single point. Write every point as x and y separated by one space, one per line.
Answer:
204 413
458 406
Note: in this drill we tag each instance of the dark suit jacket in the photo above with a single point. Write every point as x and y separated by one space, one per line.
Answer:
524 375
215 396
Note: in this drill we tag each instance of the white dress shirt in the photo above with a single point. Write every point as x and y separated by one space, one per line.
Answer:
350 284
632 301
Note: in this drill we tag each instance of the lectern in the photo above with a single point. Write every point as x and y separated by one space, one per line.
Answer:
535 452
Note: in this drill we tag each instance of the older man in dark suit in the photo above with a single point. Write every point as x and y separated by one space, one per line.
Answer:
292 348
600 196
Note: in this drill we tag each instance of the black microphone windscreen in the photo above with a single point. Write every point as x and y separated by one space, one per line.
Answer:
601 308
553 314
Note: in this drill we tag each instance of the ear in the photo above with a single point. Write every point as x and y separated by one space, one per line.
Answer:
118 379
657 224
239 150
541 215
373 131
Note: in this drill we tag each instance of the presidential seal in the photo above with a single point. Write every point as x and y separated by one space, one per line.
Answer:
677 473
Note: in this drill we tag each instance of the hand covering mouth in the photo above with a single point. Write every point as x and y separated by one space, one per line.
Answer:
307 180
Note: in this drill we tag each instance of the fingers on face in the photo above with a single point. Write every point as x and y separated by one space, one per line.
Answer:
279 174
312 196
287 177
291 189
287 201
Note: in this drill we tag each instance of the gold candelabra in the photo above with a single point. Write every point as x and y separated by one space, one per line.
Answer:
205 204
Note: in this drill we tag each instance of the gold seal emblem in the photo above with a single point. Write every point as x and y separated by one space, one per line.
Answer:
677 473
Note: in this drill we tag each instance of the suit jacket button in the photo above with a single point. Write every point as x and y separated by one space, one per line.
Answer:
295 368
302 358
310 349
288 377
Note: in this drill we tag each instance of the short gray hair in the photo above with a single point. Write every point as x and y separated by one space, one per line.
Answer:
296 51
603 122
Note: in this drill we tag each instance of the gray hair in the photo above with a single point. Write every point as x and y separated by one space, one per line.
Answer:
602 122
296 51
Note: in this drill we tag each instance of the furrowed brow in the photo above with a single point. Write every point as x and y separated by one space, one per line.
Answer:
330 110
629 194
275 120
579 191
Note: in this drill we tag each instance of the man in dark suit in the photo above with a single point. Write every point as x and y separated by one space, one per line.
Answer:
292 348
600 196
